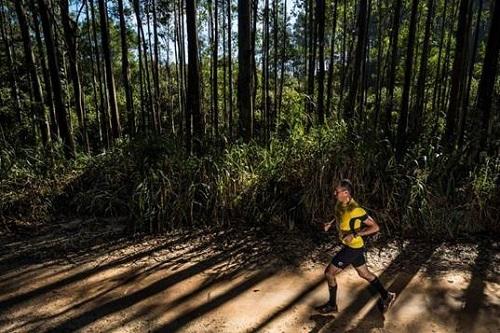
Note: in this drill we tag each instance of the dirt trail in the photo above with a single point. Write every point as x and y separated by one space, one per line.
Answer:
245 280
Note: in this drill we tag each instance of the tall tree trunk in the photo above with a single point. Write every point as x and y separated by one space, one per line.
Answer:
437 81
275 60
181 76
214 109
345 52
255 79
380 65
224 69
320 16
392 71
359 56
471 62
216 70
194 97
230 67
147 68
245 85
14 90
449 137
312 61
305 47
126 71
62 118
487 83
265 73
49 102
37 106
180 107
329 87
442 93
416 115
363 94
70 30
405 98
283 61
104 114
156 67
115 117
210 28
94 81
144 122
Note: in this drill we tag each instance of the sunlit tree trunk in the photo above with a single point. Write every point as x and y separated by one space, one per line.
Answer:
115 118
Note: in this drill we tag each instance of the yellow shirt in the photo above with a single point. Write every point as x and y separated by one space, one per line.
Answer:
350 219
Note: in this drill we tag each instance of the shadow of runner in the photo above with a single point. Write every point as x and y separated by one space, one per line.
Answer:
411 258
320 321
474 296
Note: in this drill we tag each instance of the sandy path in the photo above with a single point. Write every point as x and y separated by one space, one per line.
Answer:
249 281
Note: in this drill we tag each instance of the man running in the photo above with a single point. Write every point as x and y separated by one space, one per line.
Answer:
353 223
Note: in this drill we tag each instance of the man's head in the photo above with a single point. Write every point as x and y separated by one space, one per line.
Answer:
344 191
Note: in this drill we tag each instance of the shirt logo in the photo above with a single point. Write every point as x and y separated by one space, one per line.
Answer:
341 263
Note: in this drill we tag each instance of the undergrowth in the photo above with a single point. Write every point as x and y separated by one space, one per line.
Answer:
287 182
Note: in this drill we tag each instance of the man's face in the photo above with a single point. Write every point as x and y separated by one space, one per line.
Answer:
341 194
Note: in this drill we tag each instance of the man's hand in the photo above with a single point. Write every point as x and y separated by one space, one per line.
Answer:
328 225
348 238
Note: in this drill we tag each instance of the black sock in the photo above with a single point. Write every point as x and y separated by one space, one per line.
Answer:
333 295
378 287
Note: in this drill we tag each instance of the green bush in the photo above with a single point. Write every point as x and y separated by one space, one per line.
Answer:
287 182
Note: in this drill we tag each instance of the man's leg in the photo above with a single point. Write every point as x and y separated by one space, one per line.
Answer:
331 306
330 272
376 286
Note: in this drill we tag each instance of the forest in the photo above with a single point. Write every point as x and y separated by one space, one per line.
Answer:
143 119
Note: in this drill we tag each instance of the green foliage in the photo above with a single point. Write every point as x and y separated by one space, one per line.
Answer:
288 182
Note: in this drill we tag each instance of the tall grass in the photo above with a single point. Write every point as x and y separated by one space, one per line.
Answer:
286 182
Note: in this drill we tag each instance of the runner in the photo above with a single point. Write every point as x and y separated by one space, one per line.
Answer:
353 223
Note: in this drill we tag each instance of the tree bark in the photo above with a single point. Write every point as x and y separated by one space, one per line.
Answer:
230 68
156 66
457 77
126 71
403 115
63 120
37 107
49 102
329 87
104 114
470 64
487 82
392 71
359 56
245 86
320 16
193 90
70 29
265 73
115 117
416 115
14 90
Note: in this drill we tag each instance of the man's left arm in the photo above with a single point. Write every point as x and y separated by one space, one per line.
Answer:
370 227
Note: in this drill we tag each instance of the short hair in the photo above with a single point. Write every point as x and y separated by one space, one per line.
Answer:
346 183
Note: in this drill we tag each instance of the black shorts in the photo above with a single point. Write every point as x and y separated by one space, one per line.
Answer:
349 256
